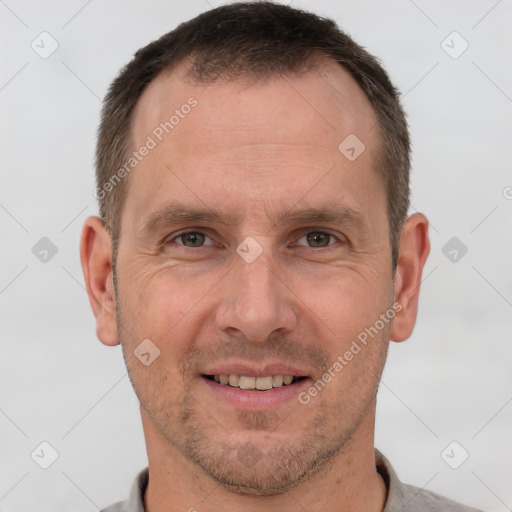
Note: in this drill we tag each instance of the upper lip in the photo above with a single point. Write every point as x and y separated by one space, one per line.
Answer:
254 370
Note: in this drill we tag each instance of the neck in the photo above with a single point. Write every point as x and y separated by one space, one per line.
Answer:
349 482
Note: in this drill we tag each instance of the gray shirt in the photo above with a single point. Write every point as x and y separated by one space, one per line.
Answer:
401 497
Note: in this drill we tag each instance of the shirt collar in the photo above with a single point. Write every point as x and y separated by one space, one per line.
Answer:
136 498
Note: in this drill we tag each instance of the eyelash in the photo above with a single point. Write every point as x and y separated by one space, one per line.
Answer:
176 237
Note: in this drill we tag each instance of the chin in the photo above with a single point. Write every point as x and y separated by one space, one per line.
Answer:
268 480
259 468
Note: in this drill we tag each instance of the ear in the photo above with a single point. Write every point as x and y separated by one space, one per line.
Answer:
96 258
413 252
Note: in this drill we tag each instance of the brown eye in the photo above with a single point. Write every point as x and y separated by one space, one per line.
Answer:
317 239
192 239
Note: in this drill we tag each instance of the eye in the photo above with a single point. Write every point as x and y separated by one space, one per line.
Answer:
317 239
192 239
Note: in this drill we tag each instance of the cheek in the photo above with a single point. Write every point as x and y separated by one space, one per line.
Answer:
345 301
164 304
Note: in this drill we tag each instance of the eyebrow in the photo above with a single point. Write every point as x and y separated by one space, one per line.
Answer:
330 214
178 213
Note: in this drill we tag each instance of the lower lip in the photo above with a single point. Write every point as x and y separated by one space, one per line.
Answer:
250 400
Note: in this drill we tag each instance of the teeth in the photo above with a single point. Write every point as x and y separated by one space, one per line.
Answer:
277 381
245 382
261 383
264 383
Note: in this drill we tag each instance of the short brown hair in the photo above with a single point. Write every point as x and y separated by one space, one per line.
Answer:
256 39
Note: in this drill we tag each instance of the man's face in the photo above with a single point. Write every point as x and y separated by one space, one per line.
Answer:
264 157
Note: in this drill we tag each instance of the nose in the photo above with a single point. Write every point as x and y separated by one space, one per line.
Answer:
256 300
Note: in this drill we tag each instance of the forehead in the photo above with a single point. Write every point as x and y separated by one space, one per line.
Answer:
327 100
253 136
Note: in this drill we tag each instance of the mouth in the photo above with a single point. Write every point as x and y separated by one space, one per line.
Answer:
254 389
254 383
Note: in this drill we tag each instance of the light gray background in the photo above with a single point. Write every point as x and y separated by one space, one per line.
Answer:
449 382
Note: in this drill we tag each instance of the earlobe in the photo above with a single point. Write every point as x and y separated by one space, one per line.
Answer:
96 259
413 252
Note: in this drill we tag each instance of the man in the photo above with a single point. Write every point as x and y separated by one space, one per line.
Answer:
254 258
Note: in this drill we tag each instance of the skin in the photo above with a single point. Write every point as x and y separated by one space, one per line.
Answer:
256 150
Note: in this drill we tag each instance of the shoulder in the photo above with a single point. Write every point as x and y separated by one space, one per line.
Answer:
408 498
421 500
135 501
120 506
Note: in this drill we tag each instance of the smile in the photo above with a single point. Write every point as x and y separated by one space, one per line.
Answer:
261 383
